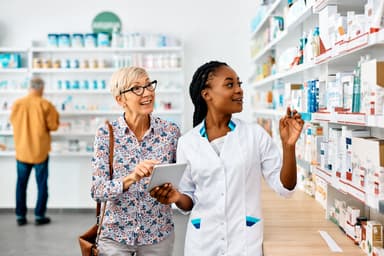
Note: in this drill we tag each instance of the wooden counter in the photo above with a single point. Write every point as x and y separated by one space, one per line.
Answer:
292 227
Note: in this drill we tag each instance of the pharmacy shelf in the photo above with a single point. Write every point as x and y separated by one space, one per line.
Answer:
77 92
170 91
341 5
292 26
90 92
319 5
71 154
106 49
89 113
346 187
294 71
167 112
82 91
13 49
303 164
271 9
90 70
53 154
13 70
71 92
72 134
7 153
6 91
358 119
268 113
5 113
113 112
55 134
346 57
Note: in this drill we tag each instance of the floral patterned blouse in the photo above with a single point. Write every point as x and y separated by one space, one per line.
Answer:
132 217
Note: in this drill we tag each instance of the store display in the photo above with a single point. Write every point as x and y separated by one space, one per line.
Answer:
323 58
77 84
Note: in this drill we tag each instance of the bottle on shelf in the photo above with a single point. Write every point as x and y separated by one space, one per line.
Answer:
116 38
308 53
316 42
356 96
303 43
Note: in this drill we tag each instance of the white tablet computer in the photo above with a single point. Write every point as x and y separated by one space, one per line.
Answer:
166 173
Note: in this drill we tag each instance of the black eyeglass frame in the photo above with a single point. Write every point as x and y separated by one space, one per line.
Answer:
142 88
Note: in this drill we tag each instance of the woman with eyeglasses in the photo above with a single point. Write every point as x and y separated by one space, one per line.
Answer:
227 160
134 222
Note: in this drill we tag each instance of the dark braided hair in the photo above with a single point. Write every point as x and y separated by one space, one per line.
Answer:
199 83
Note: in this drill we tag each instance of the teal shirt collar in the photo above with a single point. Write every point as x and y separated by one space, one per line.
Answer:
203 130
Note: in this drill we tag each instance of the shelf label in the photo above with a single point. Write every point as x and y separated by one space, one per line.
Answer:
358 41
355 192
318 116
323 175
324 57
352 118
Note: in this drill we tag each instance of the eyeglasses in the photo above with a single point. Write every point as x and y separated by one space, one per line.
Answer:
139 90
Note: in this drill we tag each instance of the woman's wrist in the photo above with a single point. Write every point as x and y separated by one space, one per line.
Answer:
128 181
289 146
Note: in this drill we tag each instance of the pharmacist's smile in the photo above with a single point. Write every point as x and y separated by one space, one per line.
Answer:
238 100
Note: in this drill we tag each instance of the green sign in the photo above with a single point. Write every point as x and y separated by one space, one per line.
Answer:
106 22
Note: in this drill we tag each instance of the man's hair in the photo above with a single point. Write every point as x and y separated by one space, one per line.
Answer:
36 83
199 82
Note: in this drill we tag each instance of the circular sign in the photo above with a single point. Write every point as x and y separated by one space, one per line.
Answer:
106 22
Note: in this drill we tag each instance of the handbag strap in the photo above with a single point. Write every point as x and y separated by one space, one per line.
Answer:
99 220
111 144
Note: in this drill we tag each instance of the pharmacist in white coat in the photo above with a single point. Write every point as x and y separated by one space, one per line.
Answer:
227 159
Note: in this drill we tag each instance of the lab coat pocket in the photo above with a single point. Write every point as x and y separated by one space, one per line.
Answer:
254 227
250 221
254 231
196 223
194 236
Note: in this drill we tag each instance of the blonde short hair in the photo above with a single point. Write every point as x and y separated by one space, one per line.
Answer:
123 77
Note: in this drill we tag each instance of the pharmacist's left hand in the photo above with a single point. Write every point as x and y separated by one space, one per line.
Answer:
290 127
165 194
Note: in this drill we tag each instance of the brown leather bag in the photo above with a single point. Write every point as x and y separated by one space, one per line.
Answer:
88 243
88 240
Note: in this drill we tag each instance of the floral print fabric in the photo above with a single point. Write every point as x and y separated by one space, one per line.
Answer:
132 217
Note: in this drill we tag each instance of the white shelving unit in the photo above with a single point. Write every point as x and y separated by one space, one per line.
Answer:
264 20
70 166
341 57
94 103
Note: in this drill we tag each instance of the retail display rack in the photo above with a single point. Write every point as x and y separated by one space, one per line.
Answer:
325 59
77 84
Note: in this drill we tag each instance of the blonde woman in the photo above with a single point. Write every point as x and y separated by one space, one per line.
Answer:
134 222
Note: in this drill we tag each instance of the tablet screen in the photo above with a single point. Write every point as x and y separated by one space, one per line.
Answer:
166 173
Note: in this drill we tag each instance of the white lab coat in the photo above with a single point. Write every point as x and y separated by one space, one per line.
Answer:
226 216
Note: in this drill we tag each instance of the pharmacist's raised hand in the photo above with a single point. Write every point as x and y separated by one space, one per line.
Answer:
290 127
165 194
143 169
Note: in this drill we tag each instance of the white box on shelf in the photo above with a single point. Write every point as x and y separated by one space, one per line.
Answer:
372 87
324 24
374 235
367 156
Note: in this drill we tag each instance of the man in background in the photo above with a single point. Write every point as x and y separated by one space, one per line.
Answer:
32 118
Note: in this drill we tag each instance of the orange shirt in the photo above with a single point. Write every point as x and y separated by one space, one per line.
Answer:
32 118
